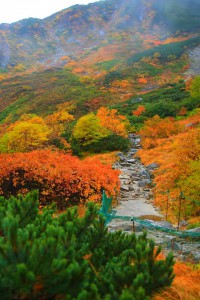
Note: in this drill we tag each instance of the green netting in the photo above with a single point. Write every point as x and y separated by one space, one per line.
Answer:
106 204
106 210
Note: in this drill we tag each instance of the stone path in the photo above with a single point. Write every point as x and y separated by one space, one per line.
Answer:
135 197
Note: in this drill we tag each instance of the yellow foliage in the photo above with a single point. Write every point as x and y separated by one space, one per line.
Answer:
89 130
24 137
58 122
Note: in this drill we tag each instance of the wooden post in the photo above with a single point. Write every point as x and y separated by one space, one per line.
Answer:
179 209
133 226
166 216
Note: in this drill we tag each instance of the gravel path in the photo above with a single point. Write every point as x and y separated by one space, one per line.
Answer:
135 197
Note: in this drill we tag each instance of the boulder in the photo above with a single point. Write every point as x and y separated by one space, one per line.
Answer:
196 256
176 246
137 141
152 166
144 182
132 151
169 237
163 224
121 225
197 229
183 223
131 161
125 187
124 176
135 178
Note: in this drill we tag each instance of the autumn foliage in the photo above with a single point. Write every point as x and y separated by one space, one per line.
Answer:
175 147
186 284
60 178
140 109
28 133
157 128
112 120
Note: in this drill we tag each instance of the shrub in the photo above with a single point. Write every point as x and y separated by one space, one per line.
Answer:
59 177
67 257
111 143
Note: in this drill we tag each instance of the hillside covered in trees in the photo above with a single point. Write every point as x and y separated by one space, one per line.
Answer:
73 87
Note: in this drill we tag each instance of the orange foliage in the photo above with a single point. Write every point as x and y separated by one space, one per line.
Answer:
188 84
102 54
113 121
183 111
60 178
106 158
65 57
58 122
157 128
2 77
95 103
140 109
173 155
71 64
78 70
157 43
176 39
186 285
142 80
121 84
126 96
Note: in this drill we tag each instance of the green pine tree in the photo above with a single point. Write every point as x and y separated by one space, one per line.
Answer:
49 256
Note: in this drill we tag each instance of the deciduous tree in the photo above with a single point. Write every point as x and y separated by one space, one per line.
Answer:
113 121
24 136
89 130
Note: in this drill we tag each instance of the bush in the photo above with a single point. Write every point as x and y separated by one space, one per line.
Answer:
60 178
162 108
43 256
110 143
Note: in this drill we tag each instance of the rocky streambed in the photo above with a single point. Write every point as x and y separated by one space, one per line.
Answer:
136 199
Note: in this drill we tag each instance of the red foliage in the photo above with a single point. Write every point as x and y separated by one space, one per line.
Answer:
59 177
139 110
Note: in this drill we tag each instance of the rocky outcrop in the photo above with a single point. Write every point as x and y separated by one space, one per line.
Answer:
194 57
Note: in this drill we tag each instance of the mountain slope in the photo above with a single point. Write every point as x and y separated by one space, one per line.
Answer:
80 27
99 54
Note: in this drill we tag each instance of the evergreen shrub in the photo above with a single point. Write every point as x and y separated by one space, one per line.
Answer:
44 255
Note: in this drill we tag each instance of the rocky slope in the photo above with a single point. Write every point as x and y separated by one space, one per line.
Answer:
194 57
81 28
